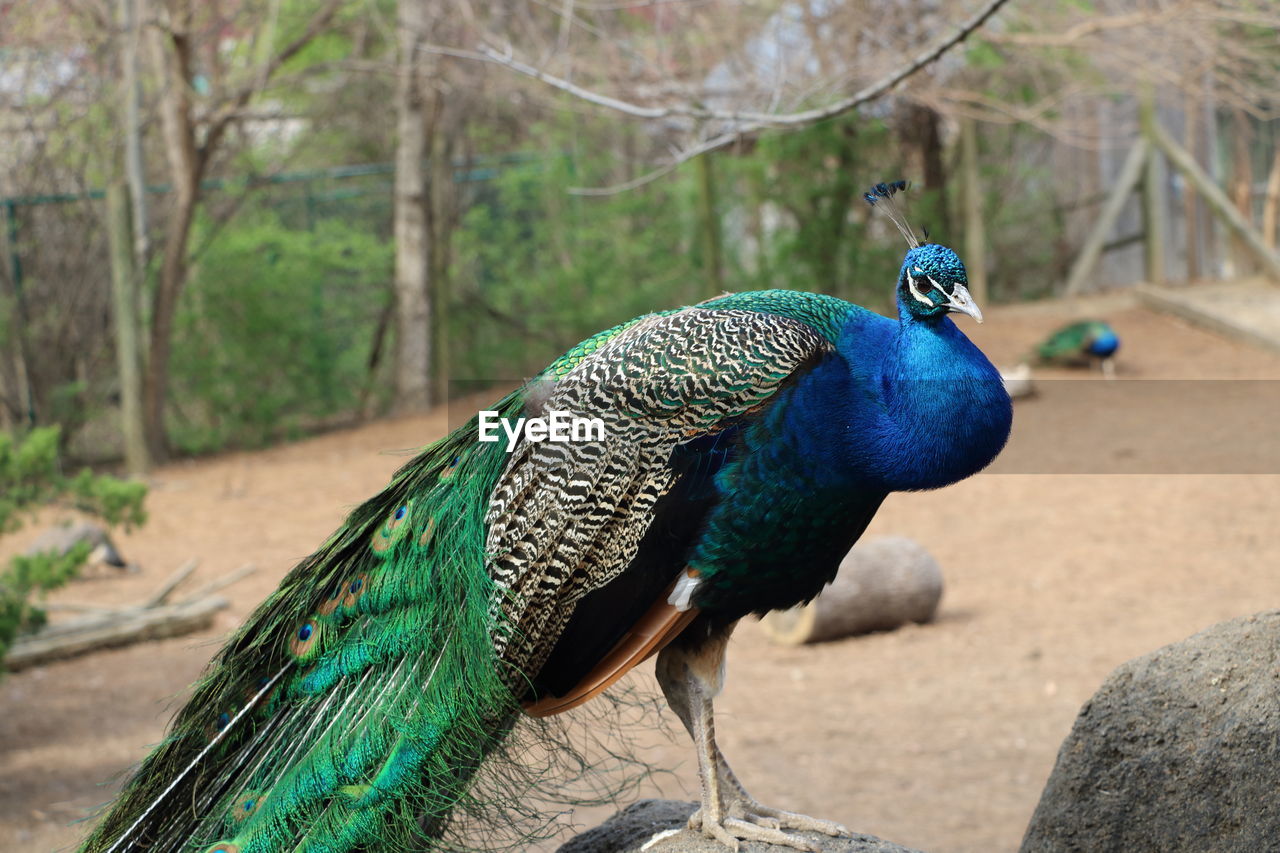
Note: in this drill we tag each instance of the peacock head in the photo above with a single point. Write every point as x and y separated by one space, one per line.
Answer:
932 282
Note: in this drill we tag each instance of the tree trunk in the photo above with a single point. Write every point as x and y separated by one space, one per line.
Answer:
1124 184
1242 189
24 400
1154 205
172 53
164 305
975 234
127 232
412 267
1212 162
186 164
1190 207
124 284
1271 206
442 206
713 264
135 174
927 134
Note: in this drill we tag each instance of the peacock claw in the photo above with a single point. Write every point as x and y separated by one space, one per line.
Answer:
731 831
779 819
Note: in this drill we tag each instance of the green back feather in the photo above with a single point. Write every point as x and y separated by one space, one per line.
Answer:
1070 341
825 314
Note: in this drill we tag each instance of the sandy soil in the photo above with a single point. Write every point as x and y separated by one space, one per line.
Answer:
938 737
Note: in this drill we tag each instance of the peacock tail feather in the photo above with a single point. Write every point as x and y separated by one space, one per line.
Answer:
354 704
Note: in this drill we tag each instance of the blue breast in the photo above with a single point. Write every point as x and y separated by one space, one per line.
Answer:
897 406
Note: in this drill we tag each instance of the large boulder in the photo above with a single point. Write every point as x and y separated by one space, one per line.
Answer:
1178 751
637 827
882 583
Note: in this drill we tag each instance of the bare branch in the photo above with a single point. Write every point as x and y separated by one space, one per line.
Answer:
714 144
237 102
488 54
742 122
1089 27
753 120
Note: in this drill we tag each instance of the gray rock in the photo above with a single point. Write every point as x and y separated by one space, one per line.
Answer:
882 583
1179 750
61 538
630 829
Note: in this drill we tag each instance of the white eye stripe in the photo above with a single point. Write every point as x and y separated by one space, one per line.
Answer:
920 297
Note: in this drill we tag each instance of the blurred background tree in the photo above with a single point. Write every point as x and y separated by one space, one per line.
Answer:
31 479
328 211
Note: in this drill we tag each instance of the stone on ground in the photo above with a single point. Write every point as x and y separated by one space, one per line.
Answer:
1179 750
630 830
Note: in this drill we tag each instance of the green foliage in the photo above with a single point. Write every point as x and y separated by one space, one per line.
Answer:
824 238
115 501
274 329
981 53
31 477
1024 218
27 576
538 269
28 474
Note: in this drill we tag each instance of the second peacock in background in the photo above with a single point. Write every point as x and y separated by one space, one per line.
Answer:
1084 343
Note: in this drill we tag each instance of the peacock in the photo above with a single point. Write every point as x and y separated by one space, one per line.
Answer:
743 445
1083 342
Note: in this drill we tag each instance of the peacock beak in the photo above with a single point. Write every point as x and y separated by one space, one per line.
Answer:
960 300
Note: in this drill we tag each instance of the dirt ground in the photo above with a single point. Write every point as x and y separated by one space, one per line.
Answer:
938 737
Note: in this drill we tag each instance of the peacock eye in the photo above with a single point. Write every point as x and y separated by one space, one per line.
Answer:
400 513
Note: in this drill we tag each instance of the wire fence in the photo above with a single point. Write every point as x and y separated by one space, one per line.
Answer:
299 258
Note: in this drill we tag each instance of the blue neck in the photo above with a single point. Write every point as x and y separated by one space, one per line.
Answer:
941 412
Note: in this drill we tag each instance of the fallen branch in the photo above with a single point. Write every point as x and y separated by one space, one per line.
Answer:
118 629
222 582
166 589
104 627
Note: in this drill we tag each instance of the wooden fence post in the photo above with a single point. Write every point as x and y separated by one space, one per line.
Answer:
1130 174
1217 200
1154 211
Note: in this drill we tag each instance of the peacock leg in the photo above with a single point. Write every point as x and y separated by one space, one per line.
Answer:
690 678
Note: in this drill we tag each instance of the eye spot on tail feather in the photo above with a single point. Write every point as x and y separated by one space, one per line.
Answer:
430 530
354 591
306 640
393 530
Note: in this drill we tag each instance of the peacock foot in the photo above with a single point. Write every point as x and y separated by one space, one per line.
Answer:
751 821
